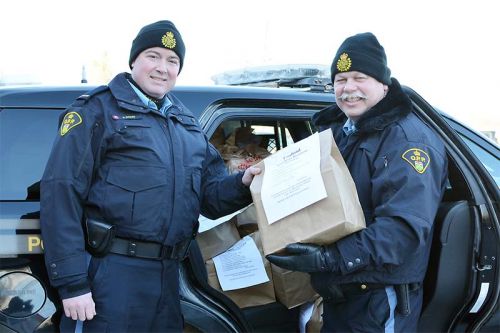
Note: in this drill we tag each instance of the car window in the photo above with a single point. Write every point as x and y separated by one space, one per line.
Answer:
490 162
242 143
26 138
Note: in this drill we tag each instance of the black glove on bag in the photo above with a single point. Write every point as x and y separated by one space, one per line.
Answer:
307 258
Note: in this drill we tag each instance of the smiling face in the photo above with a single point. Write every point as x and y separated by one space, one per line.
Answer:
357 93
155 70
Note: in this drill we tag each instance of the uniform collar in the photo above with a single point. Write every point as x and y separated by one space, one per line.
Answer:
149 103
125 96
349 127
390 109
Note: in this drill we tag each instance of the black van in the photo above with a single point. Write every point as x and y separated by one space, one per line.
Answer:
462 286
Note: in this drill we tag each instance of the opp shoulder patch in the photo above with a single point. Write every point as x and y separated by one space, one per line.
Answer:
70 120
417 158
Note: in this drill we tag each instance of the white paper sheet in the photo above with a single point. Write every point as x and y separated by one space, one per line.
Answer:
292 179
240 266
207 224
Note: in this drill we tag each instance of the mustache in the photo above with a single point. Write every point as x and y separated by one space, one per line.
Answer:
346 96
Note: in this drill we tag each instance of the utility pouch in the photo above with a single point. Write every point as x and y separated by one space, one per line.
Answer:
100 237
403 298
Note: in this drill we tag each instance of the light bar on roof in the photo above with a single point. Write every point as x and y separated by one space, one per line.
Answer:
271 73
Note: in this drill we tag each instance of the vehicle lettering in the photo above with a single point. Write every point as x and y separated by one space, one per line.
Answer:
35 244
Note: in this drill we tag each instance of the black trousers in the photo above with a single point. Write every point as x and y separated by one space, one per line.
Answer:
132 295
372 311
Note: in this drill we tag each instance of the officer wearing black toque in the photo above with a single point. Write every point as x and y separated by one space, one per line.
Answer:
128 176
370 280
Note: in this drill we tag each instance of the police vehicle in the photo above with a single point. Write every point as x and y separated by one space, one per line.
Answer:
462 285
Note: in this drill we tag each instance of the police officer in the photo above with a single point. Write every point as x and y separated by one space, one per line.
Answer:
371 280
128 176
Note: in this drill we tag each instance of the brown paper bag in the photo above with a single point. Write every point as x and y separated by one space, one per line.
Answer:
246 221
292 288
323 222
251 296
218 239
316 321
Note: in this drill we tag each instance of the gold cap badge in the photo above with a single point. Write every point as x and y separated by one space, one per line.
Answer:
417 158
344 62
168 40
70 120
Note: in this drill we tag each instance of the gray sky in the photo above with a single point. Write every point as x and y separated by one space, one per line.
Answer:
446 50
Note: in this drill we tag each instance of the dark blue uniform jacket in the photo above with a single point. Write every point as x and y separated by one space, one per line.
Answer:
116 160
399 167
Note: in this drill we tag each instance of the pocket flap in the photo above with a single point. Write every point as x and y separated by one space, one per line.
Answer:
137 178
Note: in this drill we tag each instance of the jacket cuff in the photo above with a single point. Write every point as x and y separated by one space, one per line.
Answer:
351 259
74 289
241 188
332 258
68 269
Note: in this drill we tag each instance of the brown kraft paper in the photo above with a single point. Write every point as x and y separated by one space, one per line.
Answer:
259 294
218 239
323 222
292 288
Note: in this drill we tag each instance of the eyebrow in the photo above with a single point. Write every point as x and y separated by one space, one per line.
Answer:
151 51
175 56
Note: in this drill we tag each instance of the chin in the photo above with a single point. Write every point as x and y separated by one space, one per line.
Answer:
158 94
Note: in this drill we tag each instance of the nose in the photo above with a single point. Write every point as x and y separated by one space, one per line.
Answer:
162 67
349 85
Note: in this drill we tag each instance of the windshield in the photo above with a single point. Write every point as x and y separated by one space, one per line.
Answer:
490 161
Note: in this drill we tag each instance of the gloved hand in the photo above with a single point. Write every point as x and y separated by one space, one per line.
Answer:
306 257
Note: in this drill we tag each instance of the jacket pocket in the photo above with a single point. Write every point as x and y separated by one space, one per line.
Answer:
132 130
137 197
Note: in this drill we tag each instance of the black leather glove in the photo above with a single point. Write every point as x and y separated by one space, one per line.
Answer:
307 258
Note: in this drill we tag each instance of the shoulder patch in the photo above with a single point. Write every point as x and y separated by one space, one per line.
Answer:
417 158
70 120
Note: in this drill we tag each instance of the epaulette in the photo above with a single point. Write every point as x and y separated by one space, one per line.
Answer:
82 99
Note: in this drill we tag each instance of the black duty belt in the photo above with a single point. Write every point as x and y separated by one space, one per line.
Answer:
358 288
150 250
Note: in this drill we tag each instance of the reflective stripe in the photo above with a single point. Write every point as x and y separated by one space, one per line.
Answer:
79 326
391 299
79 323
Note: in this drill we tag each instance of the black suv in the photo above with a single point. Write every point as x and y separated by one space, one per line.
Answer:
462 286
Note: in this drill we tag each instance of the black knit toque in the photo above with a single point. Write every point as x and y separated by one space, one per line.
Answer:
158 34
362 53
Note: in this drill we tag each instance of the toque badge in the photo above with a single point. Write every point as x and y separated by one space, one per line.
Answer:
344 62
168 40
417 158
